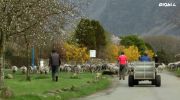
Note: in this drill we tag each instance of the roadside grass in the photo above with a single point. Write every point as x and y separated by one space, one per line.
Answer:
177 72
41 87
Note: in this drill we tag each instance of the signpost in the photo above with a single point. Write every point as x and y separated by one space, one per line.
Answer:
92 53
33 58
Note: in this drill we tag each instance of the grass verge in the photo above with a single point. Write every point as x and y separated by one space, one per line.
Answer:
177 73
42 88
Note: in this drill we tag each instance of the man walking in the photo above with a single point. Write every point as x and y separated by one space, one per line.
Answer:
122 64
54 63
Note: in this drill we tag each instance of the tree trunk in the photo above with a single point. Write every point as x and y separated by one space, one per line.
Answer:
28 78
2 49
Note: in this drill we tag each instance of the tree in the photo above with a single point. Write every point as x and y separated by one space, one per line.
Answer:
31 20
133 40
150 53
91 34
100 35
132 53
75 53
149 47
111 52
162 56
85 34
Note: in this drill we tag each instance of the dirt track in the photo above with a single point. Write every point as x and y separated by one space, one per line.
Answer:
169 90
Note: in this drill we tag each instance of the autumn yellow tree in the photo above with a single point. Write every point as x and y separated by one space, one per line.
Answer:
150 53
75 53
111 52
132 53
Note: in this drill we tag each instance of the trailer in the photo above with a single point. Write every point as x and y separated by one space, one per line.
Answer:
142 71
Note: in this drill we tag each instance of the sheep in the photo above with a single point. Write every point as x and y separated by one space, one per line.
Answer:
14 69
104 66
41 70
77 69
98 67
34 69
23 69
110 66
44 70
130 67
161 67
61 68
87 67
67 68
173 66
115 69
92 68
83 68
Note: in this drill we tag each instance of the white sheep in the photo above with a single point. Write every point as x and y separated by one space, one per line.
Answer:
43 70
68 69
34 69
14 69
172 66
115 69
61 68
161 67
77 69
23 69
46 69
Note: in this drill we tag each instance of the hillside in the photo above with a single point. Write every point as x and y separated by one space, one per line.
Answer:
136 16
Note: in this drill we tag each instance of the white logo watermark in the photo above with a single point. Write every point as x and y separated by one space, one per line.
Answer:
167 4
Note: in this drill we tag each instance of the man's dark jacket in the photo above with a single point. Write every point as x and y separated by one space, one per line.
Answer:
54 59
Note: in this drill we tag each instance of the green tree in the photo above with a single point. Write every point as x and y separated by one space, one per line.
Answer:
91 34
85 34
165 57
101 41
149 46
133 40
162 56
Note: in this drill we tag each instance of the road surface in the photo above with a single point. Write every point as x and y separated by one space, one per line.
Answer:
169 90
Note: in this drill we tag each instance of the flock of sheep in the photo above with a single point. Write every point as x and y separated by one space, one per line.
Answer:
70 68
112 67
33 69
174 66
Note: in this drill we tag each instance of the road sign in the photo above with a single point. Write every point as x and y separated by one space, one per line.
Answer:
92 53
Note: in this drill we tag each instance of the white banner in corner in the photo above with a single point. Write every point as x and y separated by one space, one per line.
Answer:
92 53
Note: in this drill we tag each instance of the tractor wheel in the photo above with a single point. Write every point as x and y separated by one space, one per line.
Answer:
131 80
136 82
153 82
158 80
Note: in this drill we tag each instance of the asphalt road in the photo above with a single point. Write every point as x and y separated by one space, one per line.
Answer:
169 90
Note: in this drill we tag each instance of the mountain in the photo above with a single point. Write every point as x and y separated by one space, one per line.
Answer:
136 16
